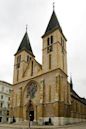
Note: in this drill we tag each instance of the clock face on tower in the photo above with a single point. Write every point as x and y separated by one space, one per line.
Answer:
32 88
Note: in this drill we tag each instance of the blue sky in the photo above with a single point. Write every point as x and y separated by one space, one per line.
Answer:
15 14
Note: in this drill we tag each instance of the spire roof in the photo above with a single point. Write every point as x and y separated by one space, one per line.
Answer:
25 45
53 24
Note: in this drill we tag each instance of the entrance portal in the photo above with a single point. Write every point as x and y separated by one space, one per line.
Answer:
30 111
31 115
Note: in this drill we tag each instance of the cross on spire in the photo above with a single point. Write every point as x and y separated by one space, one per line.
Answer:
26 27
53 5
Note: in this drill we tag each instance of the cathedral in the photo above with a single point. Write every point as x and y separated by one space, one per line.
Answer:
41 92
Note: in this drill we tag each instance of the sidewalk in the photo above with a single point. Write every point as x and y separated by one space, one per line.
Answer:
20 126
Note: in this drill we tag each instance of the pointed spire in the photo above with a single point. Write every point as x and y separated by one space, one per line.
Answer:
71 83
53 23
25 44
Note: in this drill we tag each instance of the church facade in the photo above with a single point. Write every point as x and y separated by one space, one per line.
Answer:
42 93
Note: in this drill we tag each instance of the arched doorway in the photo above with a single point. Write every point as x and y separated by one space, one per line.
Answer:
30 111
31 90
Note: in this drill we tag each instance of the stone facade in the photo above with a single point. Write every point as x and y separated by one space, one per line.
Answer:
43 91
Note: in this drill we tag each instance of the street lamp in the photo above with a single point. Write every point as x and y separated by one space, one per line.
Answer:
29 112
29 121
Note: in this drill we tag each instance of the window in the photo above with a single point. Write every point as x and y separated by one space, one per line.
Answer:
51 39
28 58
18 61
62 43
10 90
7 113
1 96
1 104
9 98
8 105
31 90
32 69
49 44
49 61
17 75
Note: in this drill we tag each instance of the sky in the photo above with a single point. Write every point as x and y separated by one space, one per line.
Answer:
15 14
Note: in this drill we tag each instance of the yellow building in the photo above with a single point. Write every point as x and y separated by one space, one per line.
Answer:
42 92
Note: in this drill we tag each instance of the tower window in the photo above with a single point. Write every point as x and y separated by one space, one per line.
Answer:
17 74
62 43
49 61
18 61
28 58
32 69
49 49
49 44
51 39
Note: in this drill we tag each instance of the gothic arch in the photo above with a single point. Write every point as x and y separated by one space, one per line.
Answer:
29 109
28 84
27 99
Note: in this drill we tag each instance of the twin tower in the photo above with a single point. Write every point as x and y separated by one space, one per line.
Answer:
54 54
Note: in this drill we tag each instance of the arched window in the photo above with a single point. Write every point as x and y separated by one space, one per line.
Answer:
50 61
49 44
32 69
51 39
18 61
31 89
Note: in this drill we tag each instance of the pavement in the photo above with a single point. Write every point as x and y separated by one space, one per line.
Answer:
23 126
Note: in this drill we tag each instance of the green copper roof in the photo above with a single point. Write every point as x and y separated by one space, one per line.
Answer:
25 45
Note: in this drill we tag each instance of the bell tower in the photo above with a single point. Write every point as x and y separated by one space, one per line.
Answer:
23 57
54 54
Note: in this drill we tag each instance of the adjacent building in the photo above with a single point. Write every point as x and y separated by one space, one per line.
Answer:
42 92
5 90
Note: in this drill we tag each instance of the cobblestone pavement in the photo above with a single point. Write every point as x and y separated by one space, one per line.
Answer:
15 126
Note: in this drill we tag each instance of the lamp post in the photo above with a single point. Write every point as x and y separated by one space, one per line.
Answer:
29 112
29 121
